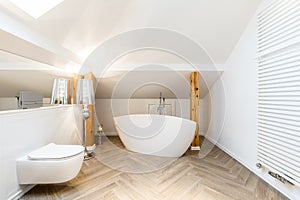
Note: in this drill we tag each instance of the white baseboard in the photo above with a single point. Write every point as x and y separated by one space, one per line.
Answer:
21 192
111 133
211 139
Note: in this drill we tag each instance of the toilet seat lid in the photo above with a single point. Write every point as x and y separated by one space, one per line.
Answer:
53 151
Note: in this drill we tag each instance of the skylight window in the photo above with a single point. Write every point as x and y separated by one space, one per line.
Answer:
36 8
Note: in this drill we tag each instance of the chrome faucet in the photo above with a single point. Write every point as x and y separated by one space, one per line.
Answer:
162 105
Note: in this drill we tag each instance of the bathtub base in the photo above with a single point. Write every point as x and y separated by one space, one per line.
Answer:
158 135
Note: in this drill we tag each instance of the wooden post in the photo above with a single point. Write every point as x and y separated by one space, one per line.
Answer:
194 106
90 122
69 94
90 140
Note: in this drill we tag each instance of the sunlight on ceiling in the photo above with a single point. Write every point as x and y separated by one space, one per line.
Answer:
72 67
36 8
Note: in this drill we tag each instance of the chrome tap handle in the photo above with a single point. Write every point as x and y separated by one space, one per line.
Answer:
160 97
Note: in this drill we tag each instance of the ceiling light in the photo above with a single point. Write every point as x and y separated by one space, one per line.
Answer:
36 8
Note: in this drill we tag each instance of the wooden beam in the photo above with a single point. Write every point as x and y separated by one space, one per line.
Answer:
90 130
194 105
90 122
69 93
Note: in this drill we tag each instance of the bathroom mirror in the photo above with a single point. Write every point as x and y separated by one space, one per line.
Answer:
21 74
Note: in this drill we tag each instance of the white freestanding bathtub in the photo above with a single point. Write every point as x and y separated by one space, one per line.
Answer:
159 135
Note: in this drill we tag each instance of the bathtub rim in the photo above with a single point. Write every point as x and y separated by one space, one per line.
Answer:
183 120
168 116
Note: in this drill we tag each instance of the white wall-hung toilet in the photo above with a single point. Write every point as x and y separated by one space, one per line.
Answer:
50 164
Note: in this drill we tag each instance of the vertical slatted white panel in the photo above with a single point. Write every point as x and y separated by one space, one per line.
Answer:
279 89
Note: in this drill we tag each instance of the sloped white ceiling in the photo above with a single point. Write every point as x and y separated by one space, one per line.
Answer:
74 28
81 25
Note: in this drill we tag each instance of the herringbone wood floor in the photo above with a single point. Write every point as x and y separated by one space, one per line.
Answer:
116 173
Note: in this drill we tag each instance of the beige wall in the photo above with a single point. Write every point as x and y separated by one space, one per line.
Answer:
107 108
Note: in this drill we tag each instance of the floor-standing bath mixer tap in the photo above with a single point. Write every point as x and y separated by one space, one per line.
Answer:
161 107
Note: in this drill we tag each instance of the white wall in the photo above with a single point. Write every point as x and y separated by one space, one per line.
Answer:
238 101
23 131
181 108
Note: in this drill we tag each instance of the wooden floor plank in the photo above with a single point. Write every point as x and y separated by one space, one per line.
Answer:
116 173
